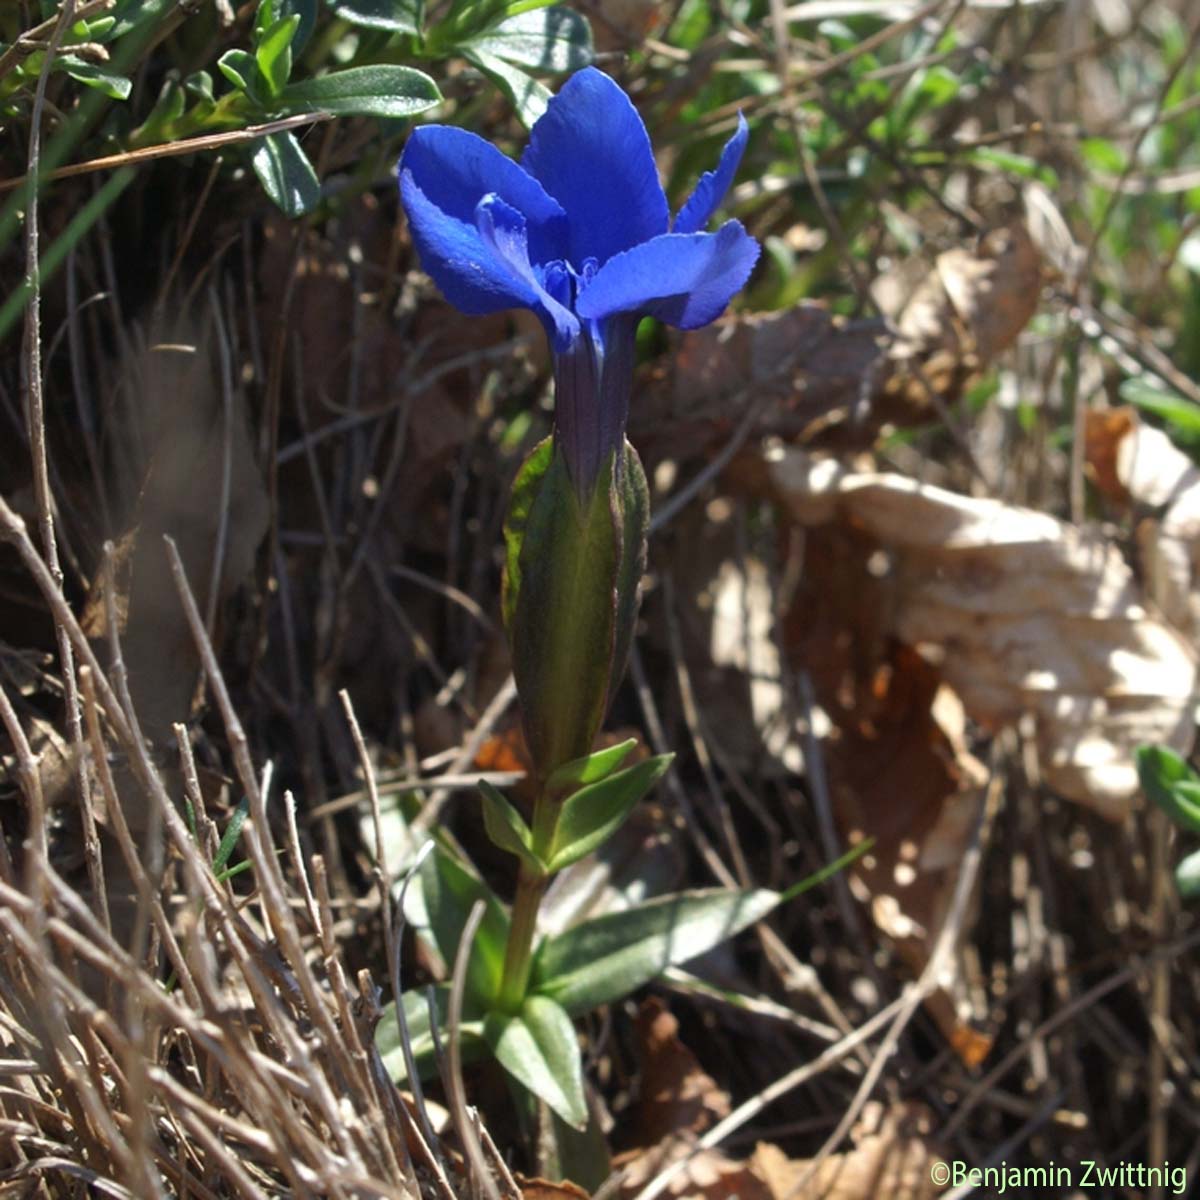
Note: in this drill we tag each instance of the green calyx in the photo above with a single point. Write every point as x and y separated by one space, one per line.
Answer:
570 595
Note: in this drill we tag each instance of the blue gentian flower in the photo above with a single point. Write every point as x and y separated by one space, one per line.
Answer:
580 233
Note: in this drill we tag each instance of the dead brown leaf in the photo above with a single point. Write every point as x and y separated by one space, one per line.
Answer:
678 1102
891 1158
822 380
677 1097
809 368
623 24
1021 614
967 310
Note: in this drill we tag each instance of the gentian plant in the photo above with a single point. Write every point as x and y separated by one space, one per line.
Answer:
580 233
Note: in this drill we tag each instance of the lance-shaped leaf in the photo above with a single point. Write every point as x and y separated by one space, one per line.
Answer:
590 816
604 959
382 90
507 829
591 768
448 892
420 1032
273 54
538 1047
113 84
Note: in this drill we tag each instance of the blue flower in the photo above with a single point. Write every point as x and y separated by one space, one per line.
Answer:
580 233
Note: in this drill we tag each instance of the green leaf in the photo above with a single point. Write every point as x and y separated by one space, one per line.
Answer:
129 14
507 829
233 831
265 16
828 871
200 85
96 29
516 7
377 91
1187 876
241 69
396 16
606 958
114 85
449 892
529 98
591 768
1102 155
420 1033
1171 783
1022 165
593 814
286 174
306 10
234 871
538 1048
274 53
550 39
1173 408
168 108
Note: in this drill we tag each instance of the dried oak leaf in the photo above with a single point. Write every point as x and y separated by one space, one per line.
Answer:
1022 614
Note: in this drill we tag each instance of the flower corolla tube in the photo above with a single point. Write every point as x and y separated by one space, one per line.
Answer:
580 232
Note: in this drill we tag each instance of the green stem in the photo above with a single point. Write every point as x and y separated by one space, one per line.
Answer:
518 954
531 887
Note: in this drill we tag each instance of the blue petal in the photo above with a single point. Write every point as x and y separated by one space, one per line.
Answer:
455 169
591 152
684 279
478 270
713 185
503 229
